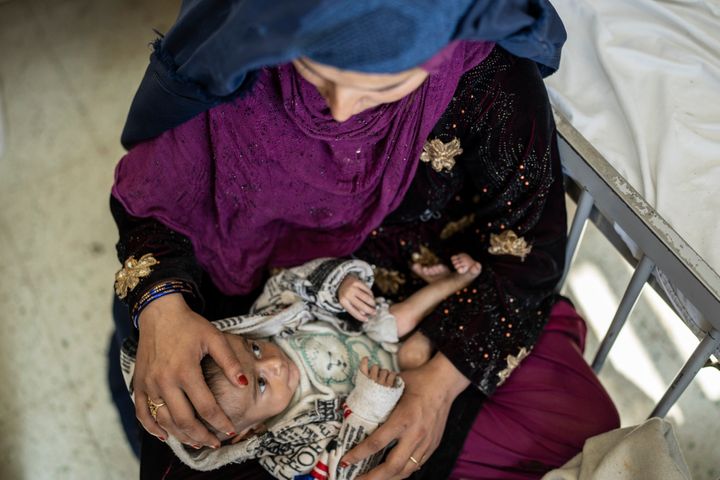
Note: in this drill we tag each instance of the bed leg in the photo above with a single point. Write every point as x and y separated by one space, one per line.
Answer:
707 346
632 293
577 227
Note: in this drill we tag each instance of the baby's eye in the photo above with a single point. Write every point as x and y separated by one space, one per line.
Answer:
255 349
262 384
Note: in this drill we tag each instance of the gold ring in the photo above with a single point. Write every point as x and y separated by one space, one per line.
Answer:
412 459
154 407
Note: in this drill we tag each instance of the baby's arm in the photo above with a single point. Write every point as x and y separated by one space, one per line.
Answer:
315 282
375 395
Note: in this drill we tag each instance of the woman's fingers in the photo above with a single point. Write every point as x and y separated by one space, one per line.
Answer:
164 418
417 422
221 351
392 469
183 420
142 413
162 424
173 339
413 442
202 401
379 439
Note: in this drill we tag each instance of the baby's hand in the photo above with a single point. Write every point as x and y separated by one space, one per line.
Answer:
378 375
356 298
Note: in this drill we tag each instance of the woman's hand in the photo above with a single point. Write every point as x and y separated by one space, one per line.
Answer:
417 423
356 298
173 341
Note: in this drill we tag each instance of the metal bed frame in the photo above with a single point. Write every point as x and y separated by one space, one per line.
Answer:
604 197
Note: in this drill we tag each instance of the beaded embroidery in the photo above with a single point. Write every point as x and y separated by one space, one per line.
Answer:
513 361
128 277
508 243
425 257
441 155
388 281
457 226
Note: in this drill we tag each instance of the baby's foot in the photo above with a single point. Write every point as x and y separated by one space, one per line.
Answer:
466 270
431 273
465 264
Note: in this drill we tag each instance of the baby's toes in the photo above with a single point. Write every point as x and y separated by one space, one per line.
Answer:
428 271
460 265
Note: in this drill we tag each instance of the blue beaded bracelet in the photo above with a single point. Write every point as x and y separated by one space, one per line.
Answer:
159 290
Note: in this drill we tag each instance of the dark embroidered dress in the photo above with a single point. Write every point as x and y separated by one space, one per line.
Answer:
505 185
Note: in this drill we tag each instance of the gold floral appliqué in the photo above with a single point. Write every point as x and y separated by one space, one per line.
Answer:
441 155
133 270
513 361
508 243
276 271
388 281
457 226
425 257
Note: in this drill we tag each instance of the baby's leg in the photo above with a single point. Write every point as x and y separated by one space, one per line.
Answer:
410 312
414 351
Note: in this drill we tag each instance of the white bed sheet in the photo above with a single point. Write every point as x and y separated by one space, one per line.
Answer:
640 79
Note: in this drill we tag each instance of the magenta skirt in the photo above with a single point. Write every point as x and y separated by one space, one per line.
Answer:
542 415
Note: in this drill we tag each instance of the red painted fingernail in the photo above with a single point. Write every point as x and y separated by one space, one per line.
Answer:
231 434
344 464
162 439
242 379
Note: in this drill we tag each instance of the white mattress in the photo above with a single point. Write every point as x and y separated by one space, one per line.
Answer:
640 79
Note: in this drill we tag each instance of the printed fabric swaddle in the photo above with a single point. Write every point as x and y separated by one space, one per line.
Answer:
335 406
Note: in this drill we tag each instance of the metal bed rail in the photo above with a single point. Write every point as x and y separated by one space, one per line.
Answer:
606 198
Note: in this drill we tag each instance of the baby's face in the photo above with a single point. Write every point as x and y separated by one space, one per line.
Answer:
272 379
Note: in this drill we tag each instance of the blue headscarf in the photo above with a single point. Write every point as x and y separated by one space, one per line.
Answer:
210 53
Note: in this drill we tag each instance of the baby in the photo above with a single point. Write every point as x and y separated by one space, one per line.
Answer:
322 382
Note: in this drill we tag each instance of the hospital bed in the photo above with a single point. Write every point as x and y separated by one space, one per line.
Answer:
637 104
659 255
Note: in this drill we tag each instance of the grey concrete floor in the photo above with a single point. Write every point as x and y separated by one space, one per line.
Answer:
68 69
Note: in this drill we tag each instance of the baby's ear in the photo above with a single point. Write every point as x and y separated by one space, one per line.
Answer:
249 432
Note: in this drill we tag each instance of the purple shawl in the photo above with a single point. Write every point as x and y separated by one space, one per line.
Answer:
271 180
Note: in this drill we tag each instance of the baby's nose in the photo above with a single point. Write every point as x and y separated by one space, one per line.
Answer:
274 366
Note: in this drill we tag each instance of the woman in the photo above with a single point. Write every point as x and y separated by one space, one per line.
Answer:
321 156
